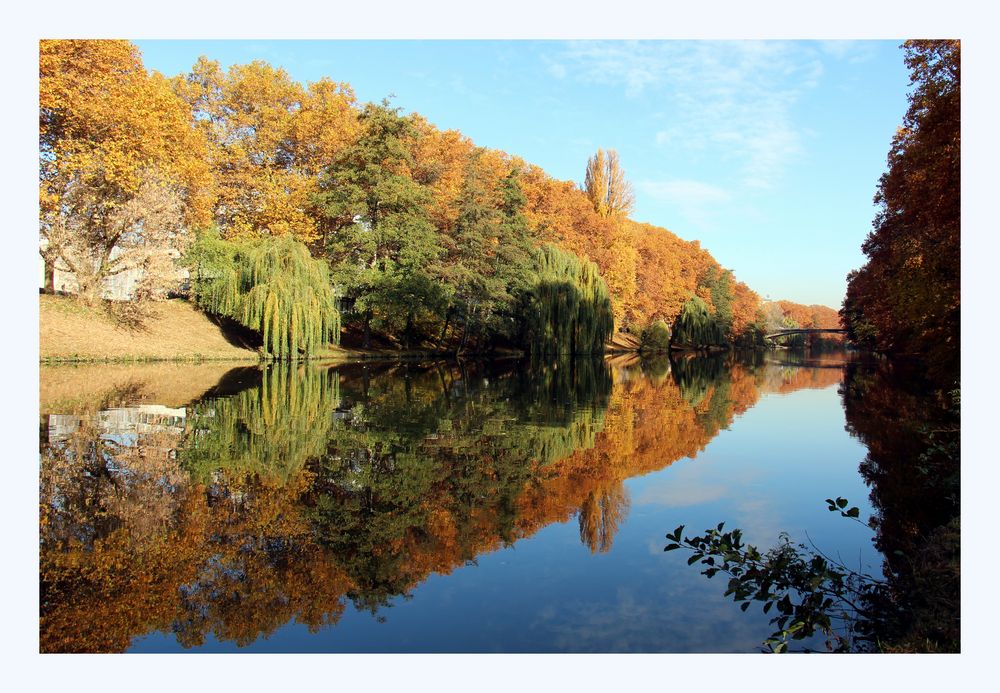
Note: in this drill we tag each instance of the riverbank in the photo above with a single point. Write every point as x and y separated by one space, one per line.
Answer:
173 330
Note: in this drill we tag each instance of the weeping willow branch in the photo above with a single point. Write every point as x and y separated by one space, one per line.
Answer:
271 285
569 308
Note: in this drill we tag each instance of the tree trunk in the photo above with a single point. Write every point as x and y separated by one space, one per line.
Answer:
50 274
447 322
408 330
465 332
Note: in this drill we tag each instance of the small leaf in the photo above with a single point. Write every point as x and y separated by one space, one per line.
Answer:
853 512
841 502
744 606
671 547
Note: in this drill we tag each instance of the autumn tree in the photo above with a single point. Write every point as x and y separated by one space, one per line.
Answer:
606 186
123 175
441 161
269 139
906 298
612 197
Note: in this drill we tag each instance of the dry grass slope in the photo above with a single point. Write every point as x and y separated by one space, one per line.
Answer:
174 331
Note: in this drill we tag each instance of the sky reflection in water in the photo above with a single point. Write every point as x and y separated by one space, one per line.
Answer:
429 508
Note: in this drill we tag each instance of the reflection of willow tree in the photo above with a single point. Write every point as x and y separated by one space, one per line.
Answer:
420 477
193 532
656 367
271 430
912 467
130 544
374 478
704 383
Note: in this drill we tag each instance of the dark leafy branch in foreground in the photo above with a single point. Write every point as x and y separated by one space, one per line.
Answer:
808 592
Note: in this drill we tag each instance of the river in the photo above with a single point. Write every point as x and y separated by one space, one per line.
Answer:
432 507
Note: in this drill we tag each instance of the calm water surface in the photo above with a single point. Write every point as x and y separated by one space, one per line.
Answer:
434 507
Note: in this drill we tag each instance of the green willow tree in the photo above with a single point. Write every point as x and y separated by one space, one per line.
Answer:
271 285
696 327
655 338
569 308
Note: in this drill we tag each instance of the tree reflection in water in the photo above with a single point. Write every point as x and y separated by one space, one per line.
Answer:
289 491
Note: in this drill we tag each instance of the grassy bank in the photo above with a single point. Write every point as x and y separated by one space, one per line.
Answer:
174 330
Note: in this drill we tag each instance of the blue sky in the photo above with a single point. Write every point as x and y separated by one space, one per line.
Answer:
767 152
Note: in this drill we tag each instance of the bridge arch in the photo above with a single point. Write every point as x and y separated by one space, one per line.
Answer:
804 330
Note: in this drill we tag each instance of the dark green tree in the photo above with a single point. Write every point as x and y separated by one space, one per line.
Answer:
696 327
568 311
384 250
720 283
656 337
492 258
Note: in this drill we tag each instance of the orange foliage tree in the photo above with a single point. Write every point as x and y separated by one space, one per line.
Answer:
117 156
269 138
248 148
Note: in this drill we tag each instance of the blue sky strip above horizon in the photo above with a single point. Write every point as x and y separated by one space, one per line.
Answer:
767 152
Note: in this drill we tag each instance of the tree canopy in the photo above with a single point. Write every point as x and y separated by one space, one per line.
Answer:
431 241
271 285
122 174
905 300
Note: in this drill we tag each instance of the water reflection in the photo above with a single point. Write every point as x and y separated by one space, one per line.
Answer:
241 501
911 431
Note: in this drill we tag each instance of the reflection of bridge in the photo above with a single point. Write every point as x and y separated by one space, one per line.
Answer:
802 330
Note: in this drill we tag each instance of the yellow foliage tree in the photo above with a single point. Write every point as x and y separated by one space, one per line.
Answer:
269 138
606 187
107 130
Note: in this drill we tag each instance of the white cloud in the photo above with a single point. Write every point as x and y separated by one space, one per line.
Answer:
731 100
695 199
680 191
851 51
